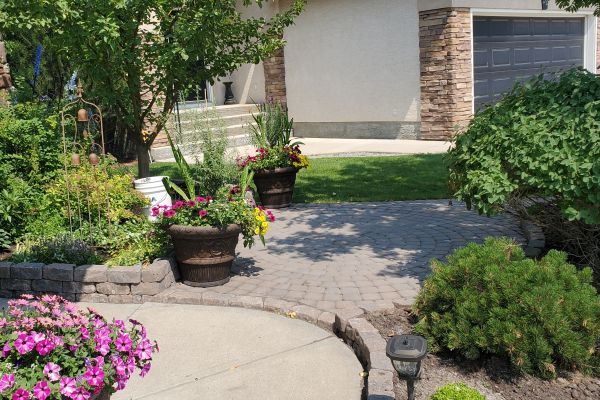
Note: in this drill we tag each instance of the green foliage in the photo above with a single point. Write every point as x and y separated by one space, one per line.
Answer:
135 68
272 126
491 300
541 140
457 391
135 242
17 202
216 168
184 171
574 5
59 249
5 239
30 142
101 192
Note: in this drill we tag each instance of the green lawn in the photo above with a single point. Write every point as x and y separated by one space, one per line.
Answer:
340 179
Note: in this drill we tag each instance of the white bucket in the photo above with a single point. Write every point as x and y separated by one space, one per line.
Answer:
154 190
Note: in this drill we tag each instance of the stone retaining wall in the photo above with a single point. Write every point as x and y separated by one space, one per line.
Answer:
94 283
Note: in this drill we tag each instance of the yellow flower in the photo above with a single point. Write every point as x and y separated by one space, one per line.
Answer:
257 230
264 225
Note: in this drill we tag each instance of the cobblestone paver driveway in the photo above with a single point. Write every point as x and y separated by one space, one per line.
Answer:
364 255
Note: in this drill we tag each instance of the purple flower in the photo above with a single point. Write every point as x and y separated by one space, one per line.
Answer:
6 349
24 343
94 376
41 390
144 350
145 369
52 371
123 343
44 347
67 386
119 365
85 334
7 381
20 394
80 394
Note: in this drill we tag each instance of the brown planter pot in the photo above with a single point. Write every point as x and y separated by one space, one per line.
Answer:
276 186
204 254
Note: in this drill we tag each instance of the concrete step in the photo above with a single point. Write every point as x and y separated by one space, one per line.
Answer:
187 119
225 111
164 152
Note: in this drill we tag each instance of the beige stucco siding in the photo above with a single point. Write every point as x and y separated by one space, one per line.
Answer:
354 60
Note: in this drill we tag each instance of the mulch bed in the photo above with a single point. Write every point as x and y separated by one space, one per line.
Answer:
493 377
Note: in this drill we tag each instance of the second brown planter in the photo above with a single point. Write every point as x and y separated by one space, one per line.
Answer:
276 186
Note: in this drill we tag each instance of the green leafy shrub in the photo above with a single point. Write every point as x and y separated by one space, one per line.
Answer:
5 241
17 202
60 249
457 391
541 139
491 300
136 242
538 149
30 142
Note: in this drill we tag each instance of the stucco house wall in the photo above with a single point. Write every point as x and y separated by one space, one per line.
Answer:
383 68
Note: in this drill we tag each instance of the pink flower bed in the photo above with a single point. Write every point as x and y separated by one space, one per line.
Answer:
53 350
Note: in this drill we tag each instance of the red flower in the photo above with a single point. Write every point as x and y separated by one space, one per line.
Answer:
202 213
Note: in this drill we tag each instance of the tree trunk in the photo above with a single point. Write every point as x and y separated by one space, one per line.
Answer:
143 156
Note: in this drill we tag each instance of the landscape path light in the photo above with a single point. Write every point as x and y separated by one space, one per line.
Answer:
406 353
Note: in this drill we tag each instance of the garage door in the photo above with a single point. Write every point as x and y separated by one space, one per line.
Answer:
509 50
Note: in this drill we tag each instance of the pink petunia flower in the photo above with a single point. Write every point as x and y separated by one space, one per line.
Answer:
44 347
6 349
123 343
94 376
81 394
67 386
21 394
144 350
7 381
52 371
202 213
201 199
41 390
24 343
145 370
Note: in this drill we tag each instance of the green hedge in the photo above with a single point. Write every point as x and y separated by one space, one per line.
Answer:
491 300
542 139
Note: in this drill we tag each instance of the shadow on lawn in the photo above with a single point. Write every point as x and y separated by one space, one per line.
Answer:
398 238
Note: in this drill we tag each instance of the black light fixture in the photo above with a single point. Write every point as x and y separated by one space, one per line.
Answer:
545 4
406 353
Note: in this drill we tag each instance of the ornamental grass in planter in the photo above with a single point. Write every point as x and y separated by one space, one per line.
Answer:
205 231
278 159
53 350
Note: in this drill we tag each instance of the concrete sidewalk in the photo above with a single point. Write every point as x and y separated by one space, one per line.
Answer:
317 147
225 353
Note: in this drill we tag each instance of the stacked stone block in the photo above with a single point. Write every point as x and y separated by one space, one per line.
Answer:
274 68
95 283
446 71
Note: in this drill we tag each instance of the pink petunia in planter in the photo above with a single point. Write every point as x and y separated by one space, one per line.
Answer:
50 349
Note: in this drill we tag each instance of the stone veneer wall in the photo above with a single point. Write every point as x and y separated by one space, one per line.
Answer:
94 283
274 68
446 71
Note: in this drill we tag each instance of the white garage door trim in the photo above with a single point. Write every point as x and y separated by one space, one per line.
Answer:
590 35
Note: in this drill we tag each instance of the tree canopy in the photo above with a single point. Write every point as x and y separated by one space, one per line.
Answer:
136 55
574 5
